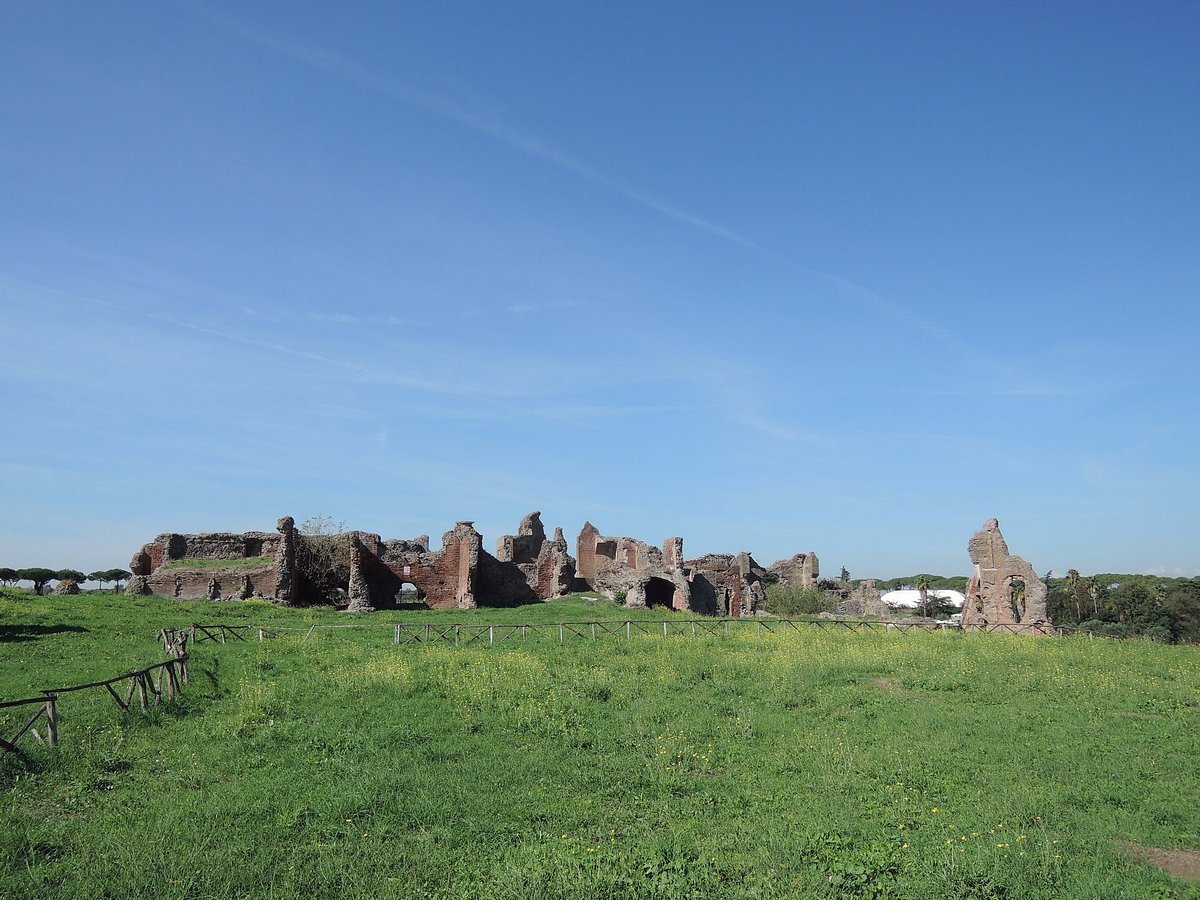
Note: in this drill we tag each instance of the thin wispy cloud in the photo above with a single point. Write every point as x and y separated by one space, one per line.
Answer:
780 431
493 126
348 319
479 389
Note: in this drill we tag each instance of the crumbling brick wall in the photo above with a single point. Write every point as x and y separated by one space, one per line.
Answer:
726 585
802 570
370 571
1004 589
638 573
547 567
160 567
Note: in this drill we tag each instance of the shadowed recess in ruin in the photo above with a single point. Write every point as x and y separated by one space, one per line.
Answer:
659 592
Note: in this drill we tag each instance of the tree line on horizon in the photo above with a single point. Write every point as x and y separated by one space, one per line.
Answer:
40 576
1120 605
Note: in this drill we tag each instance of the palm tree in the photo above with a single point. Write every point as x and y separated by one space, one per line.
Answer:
1073 580
1093 589
923 590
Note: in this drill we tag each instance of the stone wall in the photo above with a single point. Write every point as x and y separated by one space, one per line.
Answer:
171 547
368 572
444 579
726 585
802 570
233 583
1004 589
548 568
637 573
594 551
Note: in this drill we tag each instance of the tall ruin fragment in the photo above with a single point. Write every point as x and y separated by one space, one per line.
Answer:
1004 591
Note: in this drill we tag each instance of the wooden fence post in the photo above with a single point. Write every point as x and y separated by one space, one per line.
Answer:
396 639
627 634
51 720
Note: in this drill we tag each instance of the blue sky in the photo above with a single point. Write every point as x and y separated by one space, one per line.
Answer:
850 278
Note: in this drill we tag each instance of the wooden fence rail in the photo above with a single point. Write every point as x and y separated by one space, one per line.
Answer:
151 684
46 706
464 635
221 632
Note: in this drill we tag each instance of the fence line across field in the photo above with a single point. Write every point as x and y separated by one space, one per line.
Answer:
491 634
465 634
151 684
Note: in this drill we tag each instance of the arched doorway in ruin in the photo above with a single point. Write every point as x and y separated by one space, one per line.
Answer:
660 592
409 596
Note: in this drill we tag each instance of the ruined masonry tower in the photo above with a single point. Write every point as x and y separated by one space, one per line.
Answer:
1005 592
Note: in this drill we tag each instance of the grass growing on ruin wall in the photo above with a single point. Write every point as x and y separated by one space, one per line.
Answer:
780 765
249 562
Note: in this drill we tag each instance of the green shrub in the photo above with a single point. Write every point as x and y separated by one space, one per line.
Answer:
1159 633
791 600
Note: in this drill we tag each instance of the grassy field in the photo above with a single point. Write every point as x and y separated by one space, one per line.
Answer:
797 765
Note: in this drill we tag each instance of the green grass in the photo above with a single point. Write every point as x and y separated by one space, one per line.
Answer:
249 562
797 765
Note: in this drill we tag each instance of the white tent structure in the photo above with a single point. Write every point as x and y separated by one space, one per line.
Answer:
912 599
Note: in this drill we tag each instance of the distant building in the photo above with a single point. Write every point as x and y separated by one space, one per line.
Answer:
912 599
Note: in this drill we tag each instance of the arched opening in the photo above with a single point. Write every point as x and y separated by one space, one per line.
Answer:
338 597
410 597
660 592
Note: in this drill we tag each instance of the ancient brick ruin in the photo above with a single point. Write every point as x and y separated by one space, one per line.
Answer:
642 575
362 571
1004 589
802 570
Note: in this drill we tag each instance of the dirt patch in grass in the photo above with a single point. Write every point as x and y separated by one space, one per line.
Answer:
1177 862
